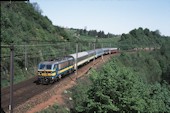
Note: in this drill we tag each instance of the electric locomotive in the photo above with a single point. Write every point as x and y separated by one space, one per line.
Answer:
50 71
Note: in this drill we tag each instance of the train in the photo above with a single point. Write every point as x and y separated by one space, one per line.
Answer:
53 70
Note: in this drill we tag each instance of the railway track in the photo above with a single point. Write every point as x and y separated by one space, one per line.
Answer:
28 89
22 92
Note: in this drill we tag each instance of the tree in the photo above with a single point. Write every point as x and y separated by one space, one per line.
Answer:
36 7
118 88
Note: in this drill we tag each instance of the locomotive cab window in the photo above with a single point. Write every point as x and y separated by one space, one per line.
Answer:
48 66
41 66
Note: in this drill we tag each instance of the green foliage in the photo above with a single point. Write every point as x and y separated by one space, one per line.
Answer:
80 94
62 32
141 38
28 27
55 109
50 109
120 87
163 57
144 64
94 33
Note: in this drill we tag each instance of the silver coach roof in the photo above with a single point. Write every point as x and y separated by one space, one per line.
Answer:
109 48
113 48
80 54
91 51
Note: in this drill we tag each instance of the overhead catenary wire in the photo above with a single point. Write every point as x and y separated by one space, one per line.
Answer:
18 54
54 44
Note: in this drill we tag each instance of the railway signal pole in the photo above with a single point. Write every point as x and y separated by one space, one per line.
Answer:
64 49
109 49
76 56
89 46
94 51
102 47
26 58
11 77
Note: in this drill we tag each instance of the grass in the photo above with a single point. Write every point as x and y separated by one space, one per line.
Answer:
21 76
54 109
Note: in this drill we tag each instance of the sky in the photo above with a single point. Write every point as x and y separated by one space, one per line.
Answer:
113 16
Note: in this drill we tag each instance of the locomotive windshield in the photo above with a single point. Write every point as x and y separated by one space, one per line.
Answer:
48 66
43 66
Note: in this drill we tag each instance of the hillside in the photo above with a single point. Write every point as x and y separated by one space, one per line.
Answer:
141 38
21 21
122 86
36 39
23 25
131 82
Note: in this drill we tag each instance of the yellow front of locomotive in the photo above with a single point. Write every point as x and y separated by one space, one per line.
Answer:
46 73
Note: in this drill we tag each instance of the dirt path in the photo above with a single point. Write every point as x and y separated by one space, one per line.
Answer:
55 98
